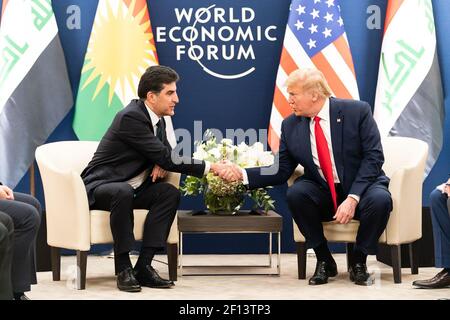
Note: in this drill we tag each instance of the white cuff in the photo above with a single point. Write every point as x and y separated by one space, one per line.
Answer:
207 168
354 196
244 177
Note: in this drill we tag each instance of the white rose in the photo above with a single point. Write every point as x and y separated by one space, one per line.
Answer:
266 159
215 152
252 160
258 146
200 154
228 142
242 148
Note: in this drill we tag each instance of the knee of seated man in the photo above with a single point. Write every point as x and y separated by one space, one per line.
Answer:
171 191
381 202
296 193
3 233
33 217
124 191
7 222
436 197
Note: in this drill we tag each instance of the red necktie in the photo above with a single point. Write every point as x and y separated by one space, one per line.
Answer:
324 158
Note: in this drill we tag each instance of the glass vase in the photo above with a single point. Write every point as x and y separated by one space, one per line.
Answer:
223 205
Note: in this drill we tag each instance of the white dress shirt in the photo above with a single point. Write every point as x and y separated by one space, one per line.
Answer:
324 116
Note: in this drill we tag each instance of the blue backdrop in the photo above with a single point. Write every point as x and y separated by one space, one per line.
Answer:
245 102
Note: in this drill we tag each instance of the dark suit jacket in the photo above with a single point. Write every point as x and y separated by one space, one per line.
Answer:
129 147
357 150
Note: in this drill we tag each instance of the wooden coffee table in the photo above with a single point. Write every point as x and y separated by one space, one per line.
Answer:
241 222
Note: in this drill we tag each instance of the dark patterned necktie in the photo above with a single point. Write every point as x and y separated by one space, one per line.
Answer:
159 130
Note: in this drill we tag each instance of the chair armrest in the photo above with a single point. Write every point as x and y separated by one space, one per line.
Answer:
174 179
67 209
405 221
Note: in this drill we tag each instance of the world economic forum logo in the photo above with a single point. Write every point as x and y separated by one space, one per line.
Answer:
216 37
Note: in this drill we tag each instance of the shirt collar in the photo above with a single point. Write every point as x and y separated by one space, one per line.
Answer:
324 113
154 118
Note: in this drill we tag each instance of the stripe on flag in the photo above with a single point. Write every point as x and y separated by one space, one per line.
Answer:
409 99
110 77
314 38
35 92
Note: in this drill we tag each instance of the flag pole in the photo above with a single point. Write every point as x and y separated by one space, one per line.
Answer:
32 181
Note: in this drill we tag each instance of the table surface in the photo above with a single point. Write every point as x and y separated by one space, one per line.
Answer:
242 221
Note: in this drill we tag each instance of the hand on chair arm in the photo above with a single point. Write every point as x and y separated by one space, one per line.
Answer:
346 211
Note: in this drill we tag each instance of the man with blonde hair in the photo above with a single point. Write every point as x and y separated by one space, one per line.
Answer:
338 144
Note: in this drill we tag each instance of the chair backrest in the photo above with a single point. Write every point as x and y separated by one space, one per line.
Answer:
67 155
67 208
405 160
402 152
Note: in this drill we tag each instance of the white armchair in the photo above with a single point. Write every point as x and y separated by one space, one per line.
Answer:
404 164
70 223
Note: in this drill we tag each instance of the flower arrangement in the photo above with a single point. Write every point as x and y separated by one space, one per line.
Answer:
225 197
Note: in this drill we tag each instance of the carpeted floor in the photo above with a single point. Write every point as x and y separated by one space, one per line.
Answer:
101 282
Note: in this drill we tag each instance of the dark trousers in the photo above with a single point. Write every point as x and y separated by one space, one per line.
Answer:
440 218
6 254
161 199
311 204
26 213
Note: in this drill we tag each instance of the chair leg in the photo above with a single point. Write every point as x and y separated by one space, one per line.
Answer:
396 263
56 263
81 269
413 258
301 259
349 247
172 259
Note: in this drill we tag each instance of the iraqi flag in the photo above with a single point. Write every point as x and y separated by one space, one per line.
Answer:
35 92
409 100
120 49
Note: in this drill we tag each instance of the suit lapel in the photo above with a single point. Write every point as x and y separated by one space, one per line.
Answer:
305 132
144 110
336 127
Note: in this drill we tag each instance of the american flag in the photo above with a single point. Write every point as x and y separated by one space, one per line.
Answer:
315 38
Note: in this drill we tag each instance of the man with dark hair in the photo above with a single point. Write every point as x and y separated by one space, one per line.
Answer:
25 212
123 175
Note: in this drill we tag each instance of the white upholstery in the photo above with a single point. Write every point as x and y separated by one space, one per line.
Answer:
70 223
404 165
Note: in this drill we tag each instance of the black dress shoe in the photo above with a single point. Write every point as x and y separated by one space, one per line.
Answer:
323 271
148 277
20 296
441 280
126 281
360 276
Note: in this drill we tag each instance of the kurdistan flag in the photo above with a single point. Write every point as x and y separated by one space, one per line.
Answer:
120 49
35 92
409 98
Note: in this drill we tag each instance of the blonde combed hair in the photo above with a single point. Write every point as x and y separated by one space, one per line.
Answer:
310 79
